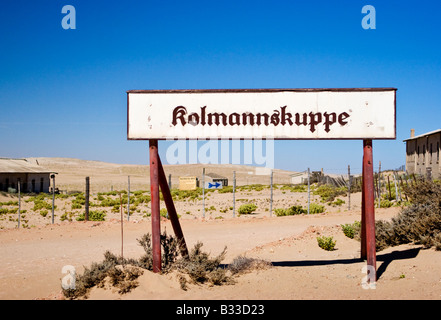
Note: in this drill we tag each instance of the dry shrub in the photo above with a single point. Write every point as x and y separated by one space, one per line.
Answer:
424 192
124 277
242 264
170 251
122 273
419 223
96 274
202 269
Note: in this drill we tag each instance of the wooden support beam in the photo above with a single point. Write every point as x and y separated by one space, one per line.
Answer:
172 210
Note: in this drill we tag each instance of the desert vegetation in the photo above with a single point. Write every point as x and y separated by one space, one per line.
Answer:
196 268
418 222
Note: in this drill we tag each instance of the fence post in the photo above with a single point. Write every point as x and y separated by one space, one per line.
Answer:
86 204
397 185
128 198
271 199
309 192
203 192
122 238
19 203
234 194
388 184
396 189
349 187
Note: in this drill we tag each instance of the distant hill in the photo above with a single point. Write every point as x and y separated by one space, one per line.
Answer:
104 176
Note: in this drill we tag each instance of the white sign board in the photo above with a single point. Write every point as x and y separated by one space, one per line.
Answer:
366 113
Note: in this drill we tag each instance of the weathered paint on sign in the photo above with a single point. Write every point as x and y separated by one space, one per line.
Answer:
366 113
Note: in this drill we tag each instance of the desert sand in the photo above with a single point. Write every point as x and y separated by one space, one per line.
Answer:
33 257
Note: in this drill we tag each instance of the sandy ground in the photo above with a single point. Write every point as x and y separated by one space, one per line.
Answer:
32 258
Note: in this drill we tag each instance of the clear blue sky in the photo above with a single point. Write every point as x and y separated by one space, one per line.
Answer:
63 92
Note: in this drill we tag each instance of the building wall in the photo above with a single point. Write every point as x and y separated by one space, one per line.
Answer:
423 154
29 182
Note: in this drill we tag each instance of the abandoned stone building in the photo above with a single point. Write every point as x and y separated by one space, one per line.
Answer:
422 154
31 176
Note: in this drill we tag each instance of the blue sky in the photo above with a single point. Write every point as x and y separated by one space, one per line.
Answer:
63 92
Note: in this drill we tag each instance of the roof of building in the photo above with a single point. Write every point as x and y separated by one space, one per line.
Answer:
423 135
8 165
215 176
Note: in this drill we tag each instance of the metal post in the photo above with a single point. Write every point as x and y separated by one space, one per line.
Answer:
128 198
396 189
234 193
154 194
53 196
271 199
169 182
168 199
363 253
379 186
122 233
309 192
349 187
19 203
399 186
203 192
368 223
86 216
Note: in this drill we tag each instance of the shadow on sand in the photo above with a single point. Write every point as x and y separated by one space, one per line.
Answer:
386 258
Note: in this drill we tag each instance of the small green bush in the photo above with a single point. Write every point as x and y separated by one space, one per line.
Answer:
9 203
163 212
348 230
247 208
295 188
108 202
93 216
326 243
328 193
227 189
41 204
64 217
290 211
280 212
337 203
294 210
252 187
316 208
384 203
76 205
